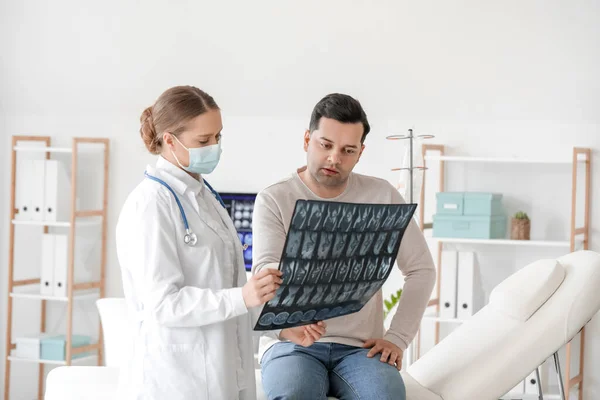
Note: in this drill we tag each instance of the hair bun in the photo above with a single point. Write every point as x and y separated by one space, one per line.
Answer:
148 132
171 112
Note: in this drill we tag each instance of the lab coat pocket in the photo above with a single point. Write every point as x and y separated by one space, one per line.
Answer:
175 371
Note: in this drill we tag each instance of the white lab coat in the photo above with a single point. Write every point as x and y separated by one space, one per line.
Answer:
191 328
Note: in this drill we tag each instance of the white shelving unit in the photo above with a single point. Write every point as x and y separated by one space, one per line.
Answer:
578 236
505 242
509 160
50 149
434 316
529 396
56 224
29 289
79 295
51 362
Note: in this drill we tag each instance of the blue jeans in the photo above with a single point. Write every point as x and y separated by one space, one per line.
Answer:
290 371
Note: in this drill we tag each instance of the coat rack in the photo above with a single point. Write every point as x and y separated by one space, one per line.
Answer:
411 167
412 348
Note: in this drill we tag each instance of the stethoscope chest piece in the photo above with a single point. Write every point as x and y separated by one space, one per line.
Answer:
190 238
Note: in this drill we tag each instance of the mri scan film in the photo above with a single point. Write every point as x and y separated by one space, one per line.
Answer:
336 257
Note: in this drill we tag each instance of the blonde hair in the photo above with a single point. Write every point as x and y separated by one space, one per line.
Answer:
171 111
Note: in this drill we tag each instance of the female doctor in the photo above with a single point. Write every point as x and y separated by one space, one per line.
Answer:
182 266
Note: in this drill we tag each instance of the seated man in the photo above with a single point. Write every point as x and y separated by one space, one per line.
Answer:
350 356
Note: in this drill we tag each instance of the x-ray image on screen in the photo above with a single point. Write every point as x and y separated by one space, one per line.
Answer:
335 258
240 207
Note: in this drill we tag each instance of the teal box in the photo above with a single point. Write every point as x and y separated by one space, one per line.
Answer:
482 204
450 203
469 227
55 347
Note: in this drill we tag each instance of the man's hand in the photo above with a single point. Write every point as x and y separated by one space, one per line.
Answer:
390 353
304 335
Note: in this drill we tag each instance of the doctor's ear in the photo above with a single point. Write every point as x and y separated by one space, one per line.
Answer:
168 139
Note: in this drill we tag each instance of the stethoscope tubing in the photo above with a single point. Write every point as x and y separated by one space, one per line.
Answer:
190 237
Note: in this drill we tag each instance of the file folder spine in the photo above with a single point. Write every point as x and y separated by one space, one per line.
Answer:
47 265
61 261
448 286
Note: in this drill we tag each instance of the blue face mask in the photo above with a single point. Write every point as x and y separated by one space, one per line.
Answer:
203 160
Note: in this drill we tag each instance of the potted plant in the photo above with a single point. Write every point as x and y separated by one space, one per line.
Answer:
391 303
520 226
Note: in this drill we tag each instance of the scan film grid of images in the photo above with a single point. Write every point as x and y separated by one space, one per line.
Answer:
336 257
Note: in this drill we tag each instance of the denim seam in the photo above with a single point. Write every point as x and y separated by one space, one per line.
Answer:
349 385
323 388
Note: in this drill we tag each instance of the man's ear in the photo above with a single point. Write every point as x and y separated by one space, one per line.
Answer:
306 139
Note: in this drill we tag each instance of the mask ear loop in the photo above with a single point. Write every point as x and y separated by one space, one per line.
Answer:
173 154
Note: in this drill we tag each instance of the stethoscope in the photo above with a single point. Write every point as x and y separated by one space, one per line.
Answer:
190 237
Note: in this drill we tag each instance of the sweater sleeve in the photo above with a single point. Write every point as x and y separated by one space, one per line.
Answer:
268 239
269 233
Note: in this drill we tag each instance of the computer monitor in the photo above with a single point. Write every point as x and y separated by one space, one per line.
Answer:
240 207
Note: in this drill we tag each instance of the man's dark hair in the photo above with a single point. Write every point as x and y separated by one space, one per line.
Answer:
341 108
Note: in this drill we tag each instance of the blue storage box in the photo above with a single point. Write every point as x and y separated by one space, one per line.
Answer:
482 204
469 227
449 203
55 348
469 203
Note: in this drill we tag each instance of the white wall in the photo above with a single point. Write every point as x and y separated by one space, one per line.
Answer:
494 78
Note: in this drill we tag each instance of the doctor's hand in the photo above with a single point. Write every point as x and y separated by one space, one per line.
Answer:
261 287
390 353
304 335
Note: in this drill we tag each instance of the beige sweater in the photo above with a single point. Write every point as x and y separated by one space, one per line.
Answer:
272 215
